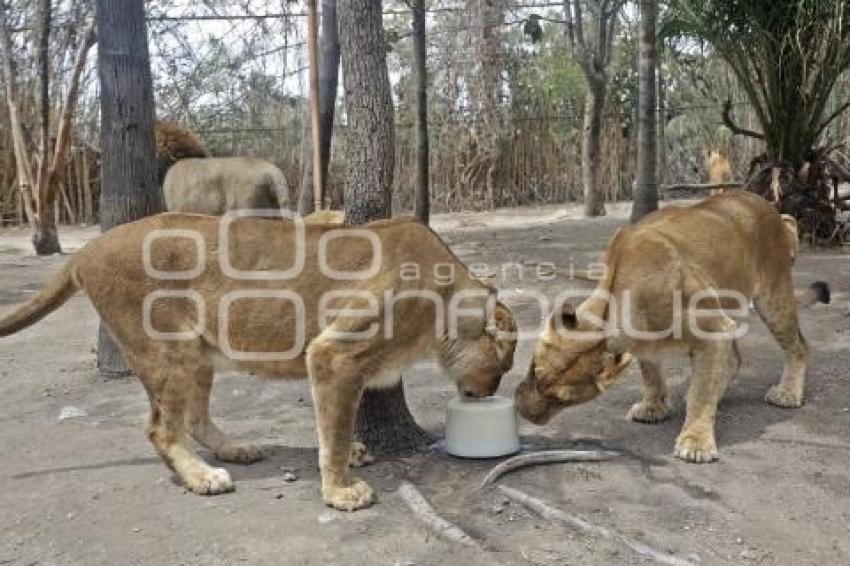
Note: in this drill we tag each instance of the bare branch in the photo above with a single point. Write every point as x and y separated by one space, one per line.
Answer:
63 138
703 186
22 161
547 512
579 27
838 112
547 457
737 130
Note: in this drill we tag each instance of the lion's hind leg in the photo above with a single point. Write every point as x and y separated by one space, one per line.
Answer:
169 386
778 310
205 431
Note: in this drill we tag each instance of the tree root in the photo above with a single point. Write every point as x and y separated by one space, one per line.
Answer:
426 513
546 457
547 512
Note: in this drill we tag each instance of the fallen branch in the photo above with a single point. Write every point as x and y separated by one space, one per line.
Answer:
425 513
583 526
546 457
702 186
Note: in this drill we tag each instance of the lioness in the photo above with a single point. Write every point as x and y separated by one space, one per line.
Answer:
705 262
357 306
719 170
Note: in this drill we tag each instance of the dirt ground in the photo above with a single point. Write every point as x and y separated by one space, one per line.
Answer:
89 490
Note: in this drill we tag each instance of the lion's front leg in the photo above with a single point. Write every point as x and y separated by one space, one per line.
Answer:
652 408
337 386
713 364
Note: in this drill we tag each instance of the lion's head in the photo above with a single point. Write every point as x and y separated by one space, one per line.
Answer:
174 143
570 366
481 353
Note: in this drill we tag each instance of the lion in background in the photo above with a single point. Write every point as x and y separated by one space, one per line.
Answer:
194 181
719 169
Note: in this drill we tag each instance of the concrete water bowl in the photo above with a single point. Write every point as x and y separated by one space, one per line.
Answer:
482 428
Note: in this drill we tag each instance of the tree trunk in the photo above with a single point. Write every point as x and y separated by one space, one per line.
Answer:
594 104
661 123
383 421
646 184
45 237
329 84
422 198
63 138
129 189
23 166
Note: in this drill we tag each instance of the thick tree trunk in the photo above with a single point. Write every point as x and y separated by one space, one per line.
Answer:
646 183
383 421
329 84
45 237
370 112
129 184
594 104
422 198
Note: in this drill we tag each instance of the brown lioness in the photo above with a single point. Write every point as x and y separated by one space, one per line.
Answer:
356 307
719 170
675 283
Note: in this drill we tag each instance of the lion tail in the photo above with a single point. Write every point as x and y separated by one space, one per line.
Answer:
57 292
817 292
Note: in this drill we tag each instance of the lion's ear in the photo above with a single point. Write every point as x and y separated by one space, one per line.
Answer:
564 318
501 321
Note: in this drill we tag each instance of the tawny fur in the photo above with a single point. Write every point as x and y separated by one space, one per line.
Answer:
178 375
193 181
218 185
719 169
736 242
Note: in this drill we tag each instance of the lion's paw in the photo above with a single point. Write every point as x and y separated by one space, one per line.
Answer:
355 495
210 481
359 455
781 397
697 448
644 412
239 453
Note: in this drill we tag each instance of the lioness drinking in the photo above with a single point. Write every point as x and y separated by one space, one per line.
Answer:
185 294
675 283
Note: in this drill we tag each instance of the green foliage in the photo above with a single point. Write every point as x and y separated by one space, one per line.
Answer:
532 28
786 55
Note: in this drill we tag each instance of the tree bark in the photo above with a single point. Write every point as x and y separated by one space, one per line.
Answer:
45 236
646 183
422 198
661 123
23 166
384 422
328 86
593 55
69 107
129 184
594 105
